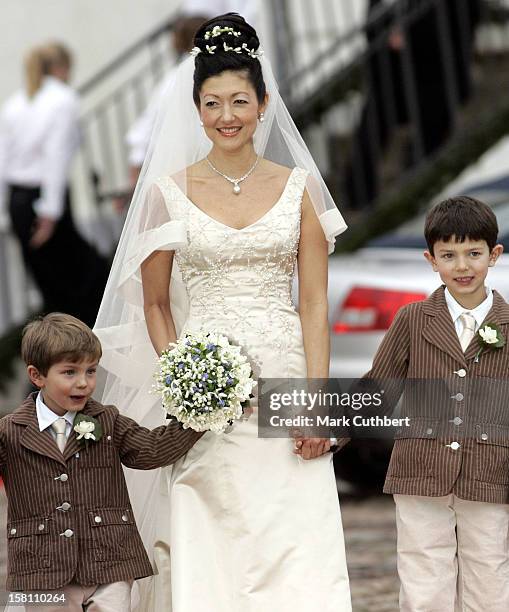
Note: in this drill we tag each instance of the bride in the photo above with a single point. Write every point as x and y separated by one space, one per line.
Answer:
228 204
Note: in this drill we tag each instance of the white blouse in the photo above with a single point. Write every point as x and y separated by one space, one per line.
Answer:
38 139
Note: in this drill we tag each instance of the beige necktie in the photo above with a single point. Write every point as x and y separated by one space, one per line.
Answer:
468 331
59 427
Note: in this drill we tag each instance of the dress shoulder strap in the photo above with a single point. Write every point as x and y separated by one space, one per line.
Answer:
300 177
297 182
174 198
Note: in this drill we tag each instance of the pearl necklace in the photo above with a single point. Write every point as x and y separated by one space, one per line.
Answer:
234 181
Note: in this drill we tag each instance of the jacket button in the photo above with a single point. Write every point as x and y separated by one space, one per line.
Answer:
429 431
68 533
457 420
65 506
454 445
461 373
62 478
41 527
484 436
124 518
13 531
98 519
458 397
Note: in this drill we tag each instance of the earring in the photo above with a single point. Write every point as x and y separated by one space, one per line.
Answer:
261 117
201 122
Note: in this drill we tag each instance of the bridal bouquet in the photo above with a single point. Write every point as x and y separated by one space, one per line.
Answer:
204 381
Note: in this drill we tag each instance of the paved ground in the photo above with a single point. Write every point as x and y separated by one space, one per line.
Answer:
370 539
370 544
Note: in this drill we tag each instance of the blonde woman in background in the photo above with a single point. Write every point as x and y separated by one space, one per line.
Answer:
39 135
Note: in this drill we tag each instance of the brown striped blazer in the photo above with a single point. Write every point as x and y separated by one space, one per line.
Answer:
69 515
459 441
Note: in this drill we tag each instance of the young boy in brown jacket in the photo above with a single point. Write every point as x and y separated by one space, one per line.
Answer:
71 531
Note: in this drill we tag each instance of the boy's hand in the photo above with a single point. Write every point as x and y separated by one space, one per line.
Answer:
310 448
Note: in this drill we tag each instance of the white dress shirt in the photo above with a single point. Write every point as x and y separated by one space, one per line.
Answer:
46 417
38 139
479 312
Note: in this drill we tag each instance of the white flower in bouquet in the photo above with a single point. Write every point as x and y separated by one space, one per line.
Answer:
204 381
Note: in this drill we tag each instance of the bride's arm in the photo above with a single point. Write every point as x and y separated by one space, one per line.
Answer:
313 305
313 310
155 277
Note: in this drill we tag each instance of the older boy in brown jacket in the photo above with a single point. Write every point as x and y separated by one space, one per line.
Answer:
449 472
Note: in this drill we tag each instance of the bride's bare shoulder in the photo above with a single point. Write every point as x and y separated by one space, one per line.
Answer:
196 170
192 173
271 170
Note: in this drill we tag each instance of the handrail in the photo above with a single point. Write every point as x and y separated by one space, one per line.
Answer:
125 56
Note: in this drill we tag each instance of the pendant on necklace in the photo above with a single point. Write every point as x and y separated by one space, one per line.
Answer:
236 189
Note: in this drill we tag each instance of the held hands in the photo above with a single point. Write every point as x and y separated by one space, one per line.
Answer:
310 448
44 228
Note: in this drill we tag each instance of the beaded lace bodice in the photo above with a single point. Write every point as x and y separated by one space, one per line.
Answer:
240 281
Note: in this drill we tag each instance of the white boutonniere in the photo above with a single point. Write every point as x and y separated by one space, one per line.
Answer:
489 337
87 428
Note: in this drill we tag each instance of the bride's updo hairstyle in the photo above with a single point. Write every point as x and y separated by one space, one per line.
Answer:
223 43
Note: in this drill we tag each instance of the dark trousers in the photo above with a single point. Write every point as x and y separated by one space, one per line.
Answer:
68 271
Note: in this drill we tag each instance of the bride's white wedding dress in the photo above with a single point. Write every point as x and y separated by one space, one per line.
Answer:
253 527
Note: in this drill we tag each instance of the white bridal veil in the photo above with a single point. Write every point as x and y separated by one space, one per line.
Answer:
129 359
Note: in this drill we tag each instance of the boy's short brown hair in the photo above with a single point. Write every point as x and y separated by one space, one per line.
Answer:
58 337
462 217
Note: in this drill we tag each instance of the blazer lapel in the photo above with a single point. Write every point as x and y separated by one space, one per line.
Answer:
498 314
72 446
440 330
32 438
41 442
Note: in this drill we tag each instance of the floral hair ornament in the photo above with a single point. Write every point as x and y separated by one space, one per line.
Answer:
217 31
489 337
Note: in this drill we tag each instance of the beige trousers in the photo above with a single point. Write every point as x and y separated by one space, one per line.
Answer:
453 554
113 597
